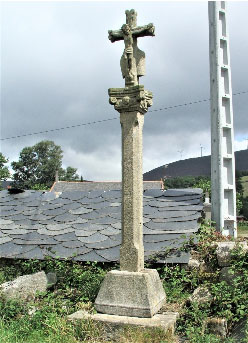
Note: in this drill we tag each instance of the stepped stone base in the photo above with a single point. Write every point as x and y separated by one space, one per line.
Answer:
132 294
166 320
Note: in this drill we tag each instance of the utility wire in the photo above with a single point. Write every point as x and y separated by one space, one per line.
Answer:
113 118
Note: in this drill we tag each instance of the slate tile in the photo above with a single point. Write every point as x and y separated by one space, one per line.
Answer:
153 193
11 249
72 244
182 192
116 216
170 203
109 231
51 205
84 233
94 194
61 201
111 254
68 217
109 210
94 215
88 201
72 195
164 237
44 240
81 210
111 194
34 203
31 211
72 206
163 245
182 198
116 225
146 220
41 217
178 219
108 243
98 205
35 253
103 220
59 251
79 220
115 204
4 194
54 212
91 256
172 214
8 213
57 227
17 231
48 196
7 208
36 237
88 227
184 207
96 237
5 221
117 237
18 217
5 239
54 233
66 237
148 210
172 226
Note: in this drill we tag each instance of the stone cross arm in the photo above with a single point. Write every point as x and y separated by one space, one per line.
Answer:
139 31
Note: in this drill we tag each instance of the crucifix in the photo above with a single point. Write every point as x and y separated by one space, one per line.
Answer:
133 290
133 59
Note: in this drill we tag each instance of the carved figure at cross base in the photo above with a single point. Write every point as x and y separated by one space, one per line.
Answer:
133 59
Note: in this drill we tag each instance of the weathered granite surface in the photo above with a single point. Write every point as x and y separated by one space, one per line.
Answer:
86 226
25 287
133 294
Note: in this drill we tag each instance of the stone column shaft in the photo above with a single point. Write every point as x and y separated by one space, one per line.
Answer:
132 103
132 249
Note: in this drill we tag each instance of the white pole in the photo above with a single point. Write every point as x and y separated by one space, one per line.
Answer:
222 142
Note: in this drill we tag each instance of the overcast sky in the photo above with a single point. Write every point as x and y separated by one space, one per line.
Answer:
57 65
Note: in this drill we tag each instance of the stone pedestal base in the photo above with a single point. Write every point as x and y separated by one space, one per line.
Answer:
166 321
133 294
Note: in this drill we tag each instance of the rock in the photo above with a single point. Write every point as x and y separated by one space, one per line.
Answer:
193 264
25 287
223 252
201 295
227 275
51 279
217 326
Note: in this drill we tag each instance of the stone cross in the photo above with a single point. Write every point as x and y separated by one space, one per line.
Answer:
133 59
131 291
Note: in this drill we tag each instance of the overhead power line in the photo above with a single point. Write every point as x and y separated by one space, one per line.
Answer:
113 118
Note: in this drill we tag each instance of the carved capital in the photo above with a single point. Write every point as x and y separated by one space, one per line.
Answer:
130 99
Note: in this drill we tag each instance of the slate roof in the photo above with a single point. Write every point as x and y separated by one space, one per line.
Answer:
86 226
88 186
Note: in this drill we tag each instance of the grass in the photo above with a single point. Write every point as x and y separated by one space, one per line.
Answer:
45 319
244 182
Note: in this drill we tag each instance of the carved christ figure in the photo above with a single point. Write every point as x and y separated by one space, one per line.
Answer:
128 62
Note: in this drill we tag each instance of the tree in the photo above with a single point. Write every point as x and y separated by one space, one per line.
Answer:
68 174
37 164
4 171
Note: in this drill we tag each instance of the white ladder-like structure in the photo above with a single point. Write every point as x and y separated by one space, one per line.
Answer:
223 187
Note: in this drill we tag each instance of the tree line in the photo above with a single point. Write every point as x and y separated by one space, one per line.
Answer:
37 167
